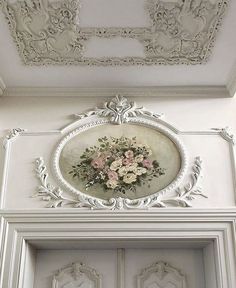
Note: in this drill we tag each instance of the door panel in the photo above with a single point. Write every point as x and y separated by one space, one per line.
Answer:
50 261
164 268
120 268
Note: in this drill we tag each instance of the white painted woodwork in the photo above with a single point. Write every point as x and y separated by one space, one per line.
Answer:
188 265
187 229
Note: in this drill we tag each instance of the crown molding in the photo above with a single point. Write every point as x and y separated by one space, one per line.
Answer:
2 86
139 91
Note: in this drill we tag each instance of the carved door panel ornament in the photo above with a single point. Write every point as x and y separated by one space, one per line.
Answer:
161 275
77 275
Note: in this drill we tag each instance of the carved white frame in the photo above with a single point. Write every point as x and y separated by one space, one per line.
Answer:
20 229
118 110
79 268
143 202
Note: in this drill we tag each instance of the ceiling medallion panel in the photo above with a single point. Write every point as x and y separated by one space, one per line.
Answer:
48 32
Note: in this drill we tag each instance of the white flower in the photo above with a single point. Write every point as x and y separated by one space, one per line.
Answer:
132 167
122 171
112 184
115 165
129 154
130 178
138 158
140 170
149 151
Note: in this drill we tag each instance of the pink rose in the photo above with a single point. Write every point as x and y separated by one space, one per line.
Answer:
98 163
129 154
112 175
147 163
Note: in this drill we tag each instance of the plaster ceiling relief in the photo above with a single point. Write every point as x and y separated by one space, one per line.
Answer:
49 32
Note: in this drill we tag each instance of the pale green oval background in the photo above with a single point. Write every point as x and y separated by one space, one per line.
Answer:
163 148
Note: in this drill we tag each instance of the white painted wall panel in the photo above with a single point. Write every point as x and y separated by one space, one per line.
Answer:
40 114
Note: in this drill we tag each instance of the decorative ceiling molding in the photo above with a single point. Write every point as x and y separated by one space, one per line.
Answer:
139 91
180 32
2 87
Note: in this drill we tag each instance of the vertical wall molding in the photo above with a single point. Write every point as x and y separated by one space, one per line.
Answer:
120 268
2 86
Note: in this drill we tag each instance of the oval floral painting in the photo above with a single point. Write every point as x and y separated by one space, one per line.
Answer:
119 160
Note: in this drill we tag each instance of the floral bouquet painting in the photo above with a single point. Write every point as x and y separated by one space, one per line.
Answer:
118 164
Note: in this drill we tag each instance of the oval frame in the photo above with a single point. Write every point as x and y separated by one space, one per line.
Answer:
120 201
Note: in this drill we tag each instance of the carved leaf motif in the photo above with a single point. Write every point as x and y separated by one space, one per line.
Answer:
55 196
47 191
118 110
190 190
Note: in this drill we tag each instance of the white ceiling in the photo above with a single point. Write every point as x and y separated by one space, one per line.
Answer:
216 72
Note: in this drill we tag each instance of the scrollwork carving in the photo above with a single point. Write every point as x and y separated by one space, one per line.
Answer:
119 109
55 196
47 32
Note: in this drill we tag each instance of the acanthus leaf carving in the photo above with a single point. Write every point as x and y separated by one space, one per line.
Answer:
55 196
190 190
119 109
48 192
